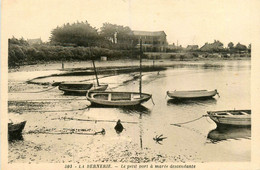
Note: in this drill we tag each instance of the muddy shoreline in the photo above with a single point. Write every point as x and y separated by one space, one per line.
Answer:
57 130
79 65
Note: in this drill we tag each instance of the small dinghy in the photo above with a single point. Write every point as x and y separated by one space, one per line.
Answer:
15 128
80 87
120 99
75 87
192 94
117 98
231 118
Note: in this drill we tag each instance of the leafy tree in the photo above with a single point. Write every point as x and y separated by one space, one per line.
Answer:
118 36
240 47
230 45
79 34
16 41
249 48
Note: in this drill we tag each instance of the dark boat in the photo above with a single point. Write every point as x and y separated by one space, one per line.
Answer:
75 87
15 129
81 88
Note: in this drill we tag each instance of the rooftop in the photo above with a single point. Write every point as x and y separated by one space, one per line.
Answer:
150 33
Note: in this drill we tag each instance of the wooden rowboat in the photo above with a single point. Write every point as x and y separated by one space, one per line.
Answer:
15 129
118 99
192 94
75 87
80 87
231 118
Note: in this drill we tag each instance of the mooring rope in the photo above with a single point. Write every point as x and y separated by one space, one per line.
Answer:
37 91
84 108
179 124
68 118
103 132
43 100
110 88
152 100
166 96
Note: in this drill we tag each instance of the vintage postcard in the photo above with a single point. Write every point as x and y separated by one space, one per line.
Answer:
127 84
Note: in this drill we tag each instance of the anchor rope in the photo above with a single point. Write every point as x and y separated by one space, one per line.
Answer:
84 108
43 100
37 91
152 100
68 118
178 124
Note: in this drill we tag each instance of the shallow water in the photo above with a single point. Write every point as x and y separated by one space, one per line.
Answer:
197 141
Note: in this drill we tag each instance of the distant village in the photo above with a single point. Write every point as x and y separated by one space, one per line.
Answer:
80 41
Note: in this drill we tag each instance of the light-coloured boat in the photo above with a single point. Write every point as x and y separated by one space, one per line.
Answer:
107 98
120 99
192 94
229 118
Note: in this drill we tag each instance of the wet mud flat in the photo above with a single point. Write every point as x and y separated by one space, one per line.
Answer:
64 128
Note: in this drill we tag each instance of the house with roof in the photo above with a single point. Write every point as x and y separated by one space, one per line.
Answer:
192 47
152 41
34 41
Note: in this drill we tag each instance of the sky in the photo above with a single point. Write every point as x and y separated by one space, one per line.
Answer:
187 22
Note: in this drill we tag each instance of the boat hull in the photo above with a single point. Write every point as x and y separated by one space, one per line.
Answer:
75 87
117 99
229 120
196 94
15 130
81 89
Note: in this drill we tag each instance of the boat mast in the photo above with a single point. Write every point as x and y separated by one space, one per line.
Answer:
95 71
141 53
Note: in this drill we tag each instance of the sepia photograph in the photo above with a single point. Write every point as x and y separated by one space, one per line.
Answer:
127 84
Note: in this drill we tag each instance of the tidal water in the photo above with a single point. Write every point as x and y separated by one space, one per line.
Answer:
57 126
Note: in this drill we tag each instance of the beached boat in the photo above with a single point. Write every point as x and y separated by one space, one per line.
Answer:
117 98
229 118
75 87
82 87
192 94
15 129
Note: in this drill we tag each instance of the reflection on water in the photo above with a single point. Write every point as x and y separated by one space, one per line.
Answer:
217 135
192 101
140 109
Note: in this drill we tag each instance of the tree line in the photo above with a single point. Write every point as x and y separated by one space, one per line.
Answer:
81 41
77 41
110 36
